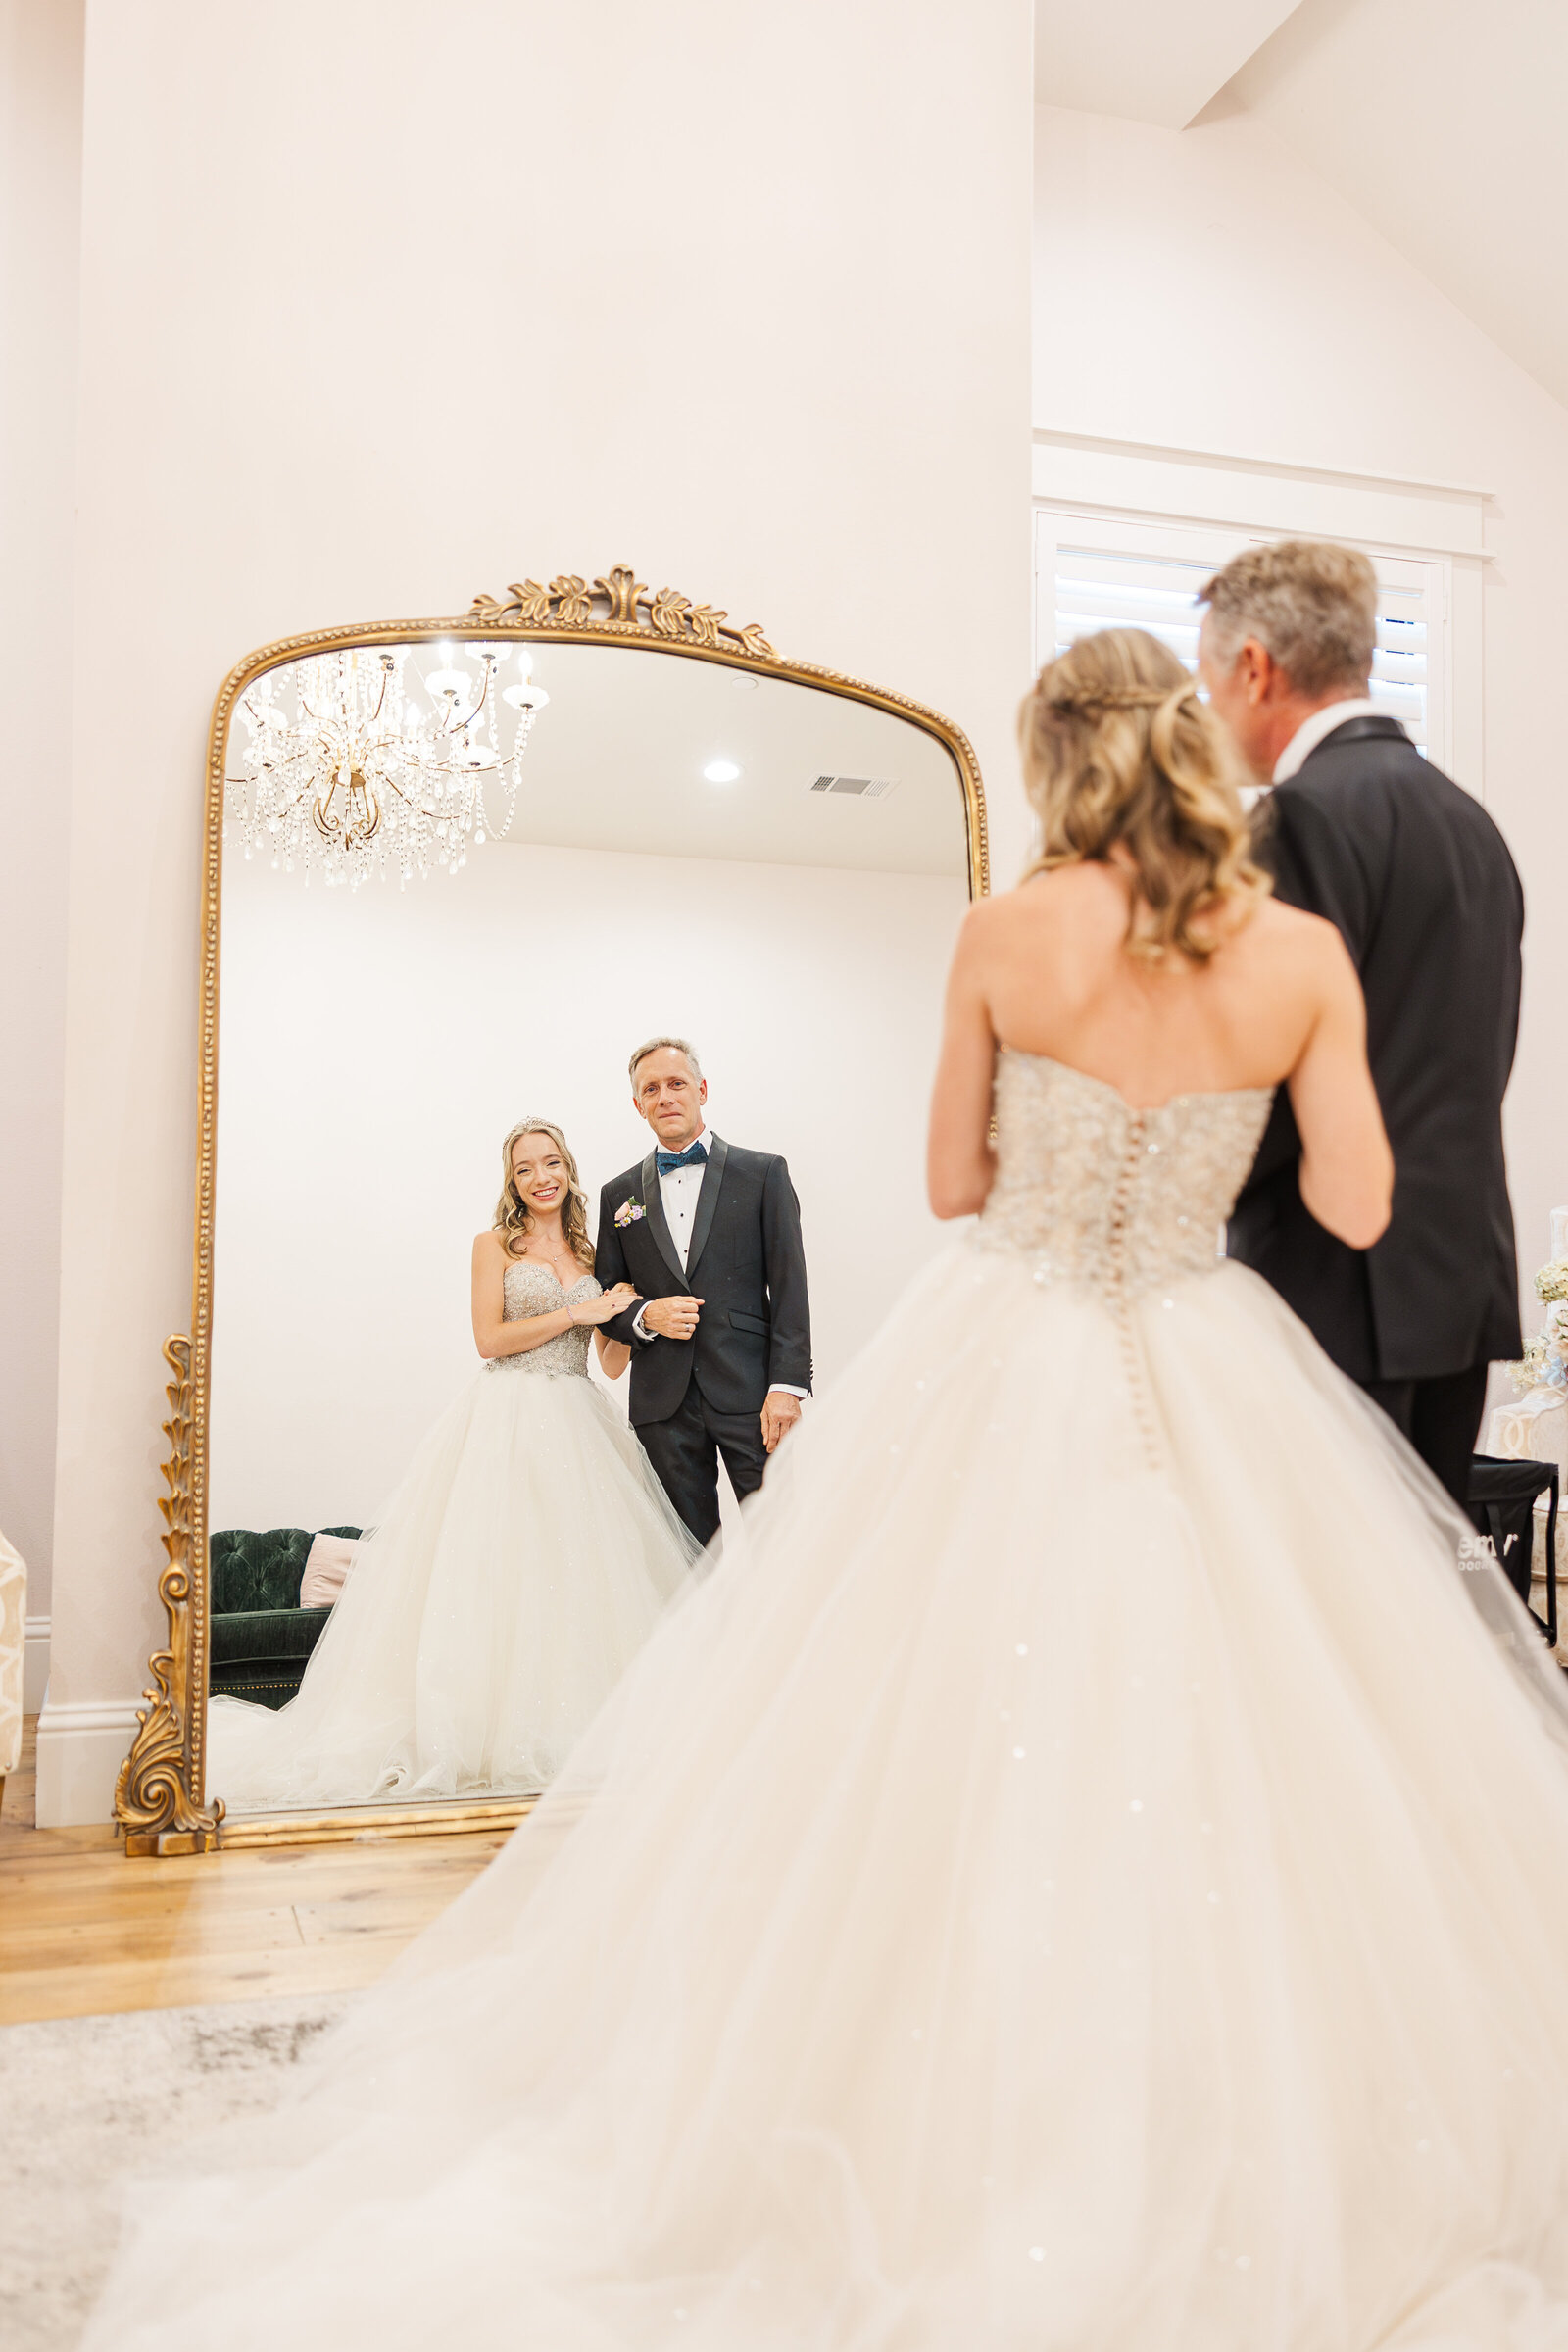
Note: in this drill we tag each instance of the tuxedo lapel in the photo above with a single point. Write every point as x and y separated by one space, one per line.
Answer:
707 1202
658 1222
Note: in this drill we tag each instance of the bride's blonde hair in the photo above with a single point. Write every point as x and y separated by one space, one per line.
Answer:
514 1222
1118 751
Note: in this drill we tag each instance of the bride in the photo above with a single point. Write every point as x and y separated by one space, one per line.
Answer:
1093 1880
518 1569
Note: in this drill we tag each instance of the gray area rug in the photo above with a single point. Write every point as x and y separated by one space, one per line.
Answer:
84 2099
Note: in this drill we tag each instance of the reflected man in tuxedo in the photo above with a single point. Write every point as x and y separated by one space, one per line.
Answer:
1419 883
721 1342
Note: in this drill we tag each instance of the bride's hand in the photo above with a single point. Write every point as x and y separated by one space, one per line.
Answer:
608 1304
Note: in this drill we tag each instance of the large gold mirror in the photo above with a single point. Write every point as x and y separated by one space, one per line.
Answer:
455 871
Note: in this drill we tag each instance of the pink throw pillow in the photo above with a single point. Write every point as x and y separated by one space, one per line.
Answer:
327 1570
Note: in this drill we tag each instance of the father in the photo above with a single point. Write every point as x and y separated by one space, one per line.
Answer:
711 1236
1420 884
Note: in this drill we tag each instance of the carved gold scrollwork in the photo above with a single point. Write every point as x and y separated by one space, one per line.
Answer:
155 1803
668 612
574 599
706 623
622 588
568 603
531 599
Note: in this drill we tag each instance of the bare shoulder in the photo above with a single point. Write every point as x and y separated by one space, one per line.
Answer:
981 937
1290 940
984 918
488 1245
1296 963
1042 898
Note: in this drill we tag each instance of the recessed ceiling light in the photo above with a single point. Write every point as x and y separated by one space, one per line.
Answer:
721 771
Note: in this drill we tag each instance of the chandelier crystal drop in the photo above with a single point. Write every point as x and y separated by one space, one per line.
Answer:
350 766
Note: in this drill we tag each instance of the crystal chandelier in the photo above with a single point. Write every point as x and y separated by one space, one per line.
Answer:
349 767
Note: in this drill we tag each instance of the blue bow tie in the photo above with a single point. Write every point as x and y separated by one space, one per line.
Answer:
692 1158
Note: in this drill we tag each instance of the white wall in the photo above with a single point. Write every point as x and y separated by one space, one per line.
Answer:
737 295
1205 290
359 1156
40 163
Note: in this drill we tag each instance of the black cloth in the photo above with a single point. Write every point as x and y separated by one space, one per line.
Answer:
1420 884
685 1449
747 1263
1502 1498
1441 1418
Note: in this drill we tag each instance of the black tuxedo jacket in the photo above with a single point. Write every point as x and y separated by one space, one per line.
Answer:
747 1263
1420 884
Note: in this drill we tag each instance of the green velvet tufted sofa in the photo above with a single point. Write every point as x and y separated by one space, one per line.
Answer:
260 1636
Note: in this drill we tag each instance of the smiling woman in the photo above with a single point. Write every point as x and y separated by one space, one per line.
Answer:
545 831
460 1660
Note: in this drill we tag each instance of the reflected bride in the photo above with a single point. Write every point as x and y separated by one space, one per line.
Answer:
518 1569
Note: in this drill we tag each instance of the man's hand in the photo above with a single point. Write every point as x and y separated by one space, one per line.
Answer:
673 1318
780 1412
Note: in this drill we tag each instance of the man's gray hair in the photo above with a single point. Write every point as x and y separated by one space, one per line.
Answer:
1312 605
677 1045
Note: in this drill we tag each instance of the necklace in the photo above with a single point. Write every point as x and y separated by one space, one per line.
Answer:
554 1260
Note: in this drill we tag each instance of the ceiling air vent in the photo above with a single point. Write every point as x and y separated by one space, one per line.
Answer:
860 788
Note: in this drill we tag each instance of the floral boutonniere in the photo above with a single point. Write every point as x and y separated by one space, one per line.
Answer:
628 1213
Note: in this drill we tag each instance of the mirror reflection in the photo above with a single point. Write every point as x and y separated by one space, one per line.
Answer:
577 1015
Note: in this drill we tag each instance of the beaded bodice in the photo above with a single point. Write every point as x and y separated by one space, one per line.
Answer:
1094 1190
530 1288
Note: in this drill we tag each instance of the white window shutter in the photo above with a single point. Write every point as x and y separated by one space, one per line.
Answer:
1108 572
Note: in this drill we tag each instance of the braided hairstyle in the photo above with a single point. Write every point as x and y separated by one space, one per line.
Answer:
1119 752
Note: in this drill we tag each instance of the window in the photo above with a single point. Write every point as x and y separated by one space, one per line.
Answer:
1100 573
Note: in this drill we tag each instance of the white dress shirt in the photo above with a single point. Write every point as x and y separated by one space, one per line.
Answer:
1313 731
678 1191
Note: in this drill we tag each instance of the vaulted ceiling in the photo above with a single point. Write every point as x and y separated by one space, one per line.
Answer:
1145 58
1440 121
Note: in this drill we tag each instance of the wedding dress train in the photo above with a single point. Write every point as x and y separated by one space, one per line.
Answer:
1092 1880
519 1567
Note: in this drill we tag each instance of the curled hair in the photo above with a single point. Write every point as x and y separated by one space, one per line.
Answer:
1119 754
514 1222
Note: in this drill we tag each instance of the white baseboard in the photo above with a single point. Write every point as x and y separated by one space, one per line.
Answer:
80 1749
35 1666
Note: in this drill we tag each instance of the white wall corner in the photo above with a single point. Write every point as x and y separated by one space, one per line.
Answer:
35 1666
1142 59
80 1749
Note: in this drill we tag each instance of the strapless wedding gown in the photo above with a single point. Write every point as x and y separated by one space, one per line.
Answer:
516 1572
1090 1881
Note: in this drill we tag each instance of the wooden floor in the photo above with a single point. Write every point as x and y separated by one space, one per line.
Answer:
84 1930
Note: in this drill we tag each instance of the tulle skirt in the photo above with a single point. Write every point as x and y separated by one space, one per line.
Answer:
516 1572
1067 1889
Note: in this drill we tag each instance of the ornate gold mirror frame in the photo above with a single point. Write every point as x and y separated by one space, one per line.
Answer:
160 1801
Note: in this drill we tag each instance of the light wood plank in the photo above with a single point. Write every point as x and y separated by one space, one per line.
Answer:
84 1930
357 1916
152 1886
96 1991
45 1942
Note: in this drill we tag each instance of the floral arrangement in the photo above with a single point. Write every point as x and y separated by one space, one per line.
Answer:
630 1210
1544 1362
